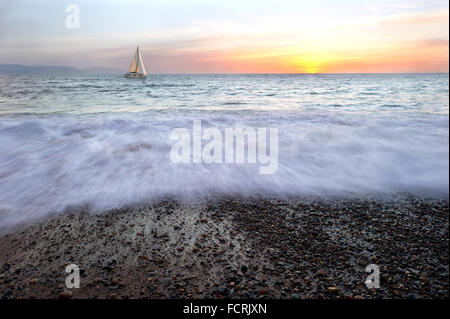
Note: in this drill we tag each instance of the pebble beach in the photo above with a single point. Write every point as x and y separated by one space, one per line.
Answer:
253 247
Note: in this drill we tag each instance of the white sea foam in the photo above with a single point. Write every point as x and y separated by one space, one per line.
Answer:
50 164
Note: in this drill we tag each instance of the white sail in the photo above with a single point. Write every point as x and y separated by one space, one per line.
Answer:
140 65
137 65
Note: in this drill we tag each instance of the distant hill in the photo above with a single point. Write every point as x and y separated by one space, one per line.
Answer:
19 69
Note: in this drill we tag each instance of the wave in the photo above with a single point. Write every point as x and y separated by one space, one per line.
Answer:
51 163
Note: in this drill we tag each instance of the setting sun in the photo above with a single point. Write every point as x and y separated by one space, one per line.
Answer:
308 64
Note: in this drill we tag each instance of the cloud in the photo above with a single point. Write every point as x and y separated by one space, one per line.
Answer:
436 43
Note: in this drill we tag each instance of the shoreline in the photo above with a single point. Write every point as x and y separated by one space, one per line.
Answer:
236 248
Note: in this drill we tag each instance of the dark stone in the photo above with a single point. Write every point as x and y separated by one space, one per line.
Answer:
222 290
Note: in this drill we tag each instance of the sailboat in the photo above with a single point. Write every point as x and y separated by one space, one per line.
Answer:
137 68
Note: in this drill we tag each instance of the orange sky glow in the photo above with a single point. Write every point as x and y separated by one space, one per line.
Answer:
391 46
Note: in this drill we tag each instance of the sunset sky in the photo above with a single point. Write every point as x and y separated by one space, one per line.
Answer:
233 36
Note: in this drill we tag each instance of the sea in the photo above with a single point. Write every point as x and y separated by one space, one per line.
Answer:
103 142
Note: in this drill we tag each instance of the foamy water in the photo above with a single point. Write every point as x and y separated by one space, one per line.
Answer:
104 141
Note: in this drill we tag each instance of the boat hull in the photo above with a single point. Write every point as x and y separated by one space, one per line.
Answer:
134 75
